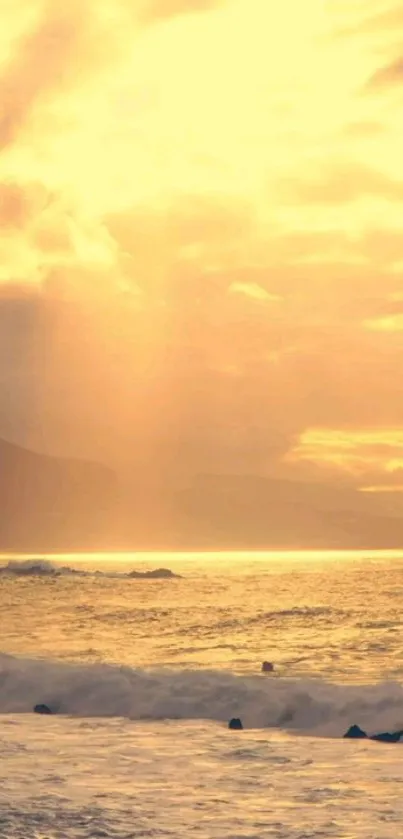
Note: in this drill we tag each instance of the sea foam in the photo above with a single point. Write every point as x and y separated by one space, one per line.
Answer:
105 690
45 568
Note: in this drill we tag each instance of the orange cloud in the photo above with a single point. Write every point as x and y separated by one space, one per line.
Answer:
39 65
18 204
363 128
340 183
154 10
379 29
148 327
253 290
67 42
386 76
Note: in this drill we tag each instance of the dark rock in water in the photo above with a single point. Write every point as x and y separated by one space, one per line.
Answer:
355 732
387 737
267 667
235 724
42 709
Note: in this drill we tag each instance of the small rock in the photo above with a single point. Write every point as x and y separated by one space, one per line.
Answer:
42 709
235 724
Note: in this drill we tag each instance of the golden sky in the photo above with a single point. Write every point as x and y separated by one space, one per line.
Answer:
201 233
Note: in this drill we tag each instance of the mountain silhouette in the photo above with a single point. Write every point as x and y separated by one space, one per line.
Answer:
52 504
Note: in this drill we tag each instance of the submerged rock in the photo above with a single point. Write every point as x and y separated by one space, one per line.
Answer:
355 732
42 709
235 724
387 737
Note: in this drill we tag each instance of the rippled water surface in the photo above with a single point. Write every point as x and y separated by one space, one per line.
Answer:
337 618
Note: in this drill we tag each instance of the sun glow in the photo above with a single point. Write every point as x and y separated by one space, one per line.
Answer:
200 237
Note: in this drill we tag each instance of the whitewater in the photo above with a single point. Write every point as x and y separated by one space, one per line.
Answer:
143 659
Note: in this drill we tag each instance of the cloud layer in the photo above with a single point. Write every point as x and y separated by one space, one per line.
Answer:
201 267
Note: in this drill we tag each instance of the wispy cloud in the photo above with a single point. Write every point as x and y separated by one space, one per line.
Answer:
67 43
389 75
153 10
340 183
386 20
254 291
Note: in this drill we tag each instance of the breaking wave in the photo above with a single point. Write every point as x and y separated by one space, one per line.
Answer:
46 568
104 690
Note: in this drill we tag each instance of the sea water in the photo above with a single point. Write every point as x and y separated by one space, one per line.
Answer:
143 673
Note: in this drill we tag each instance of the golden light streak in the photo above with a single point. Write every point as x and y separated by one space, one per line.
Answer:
354 451
383 488
391 323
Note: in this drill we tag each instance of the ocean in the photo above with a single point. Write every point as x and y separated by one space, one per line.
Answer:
143 673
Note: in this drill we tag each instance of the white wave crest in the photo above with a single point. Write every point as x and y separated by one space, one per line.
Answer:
45 568
102 690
